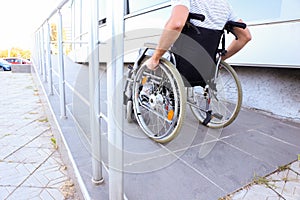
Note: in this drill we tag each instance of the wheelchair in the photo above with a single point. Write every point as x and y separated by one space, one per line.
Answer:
157 100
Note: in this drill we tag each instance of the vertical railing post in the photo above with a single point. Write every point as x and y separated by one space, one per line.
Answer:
80 22
40 53
35 49
49 63
38 45
115 100
94 95
62 93
44 67
73 24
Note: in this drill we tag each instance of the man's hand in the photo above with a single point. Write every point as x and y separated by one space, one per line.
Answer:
152 63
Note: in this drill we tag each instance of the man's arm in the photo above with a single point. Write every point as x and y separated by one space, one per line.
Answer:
244 36
170 34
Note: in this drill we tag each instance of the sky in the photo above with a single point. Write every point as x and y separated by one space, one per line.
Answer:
19 20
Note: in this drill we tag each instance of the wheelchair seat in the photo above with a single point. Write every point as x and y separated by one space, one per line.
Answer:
195 52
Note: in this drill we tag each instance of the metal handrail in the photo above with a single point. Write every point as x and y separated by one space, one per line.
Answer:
59 7
43 61
115 75
80 35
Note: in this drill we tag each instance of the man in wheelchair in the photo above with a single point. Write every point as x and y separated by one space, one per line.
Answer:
187 30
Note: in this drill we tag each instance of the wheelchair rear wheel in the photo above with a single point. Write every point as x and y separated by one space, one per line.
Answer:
159 101
217 107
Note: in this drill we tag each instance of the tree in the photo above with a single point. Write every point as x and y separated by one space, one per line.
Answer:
16 52
3 53
54 37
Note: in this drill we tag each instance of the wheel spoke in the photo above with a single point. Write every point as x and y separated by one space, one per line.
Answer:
155 112
158 101
225 101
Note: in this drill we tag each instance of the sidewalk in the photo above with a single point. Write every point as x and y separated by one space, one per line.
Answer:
30 162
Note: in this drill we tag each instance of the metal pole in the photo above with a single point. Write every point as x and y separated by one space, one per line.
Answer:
94 95
49 63
115 96
73 25
40 53
80 23
62 93
44 67
35 49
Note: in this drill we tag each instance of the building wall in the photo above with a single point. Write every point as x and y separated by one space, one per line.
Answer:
272 90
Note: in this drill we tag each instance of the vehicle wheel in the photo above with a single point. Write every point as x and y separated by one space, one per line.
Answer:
224 102
159 101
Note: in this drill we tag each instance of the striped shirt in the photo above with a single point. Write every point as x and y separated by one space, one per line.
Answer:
216 12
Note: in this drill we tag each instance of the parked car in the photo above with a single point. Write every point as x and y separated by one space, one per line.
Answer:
15 60
4 65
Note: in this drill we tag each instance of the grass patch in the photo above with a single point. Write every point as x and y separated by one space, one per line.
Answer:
283 168
29 87
5 135
53 141
43 120
259 180
225 198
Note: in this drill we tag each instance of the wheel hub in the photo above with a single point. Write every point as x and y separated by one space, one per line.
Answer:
155 100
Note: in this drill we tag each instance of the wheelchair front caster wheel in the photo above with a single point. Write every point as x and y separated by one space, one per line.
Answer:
129 111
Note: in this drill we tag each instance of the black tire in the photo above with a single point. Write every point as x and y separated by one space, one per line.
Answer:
129 111
161 112
225 102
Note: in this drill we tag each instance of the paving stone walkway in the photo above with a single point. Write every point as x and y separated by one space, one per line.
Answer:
30 163
284 184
